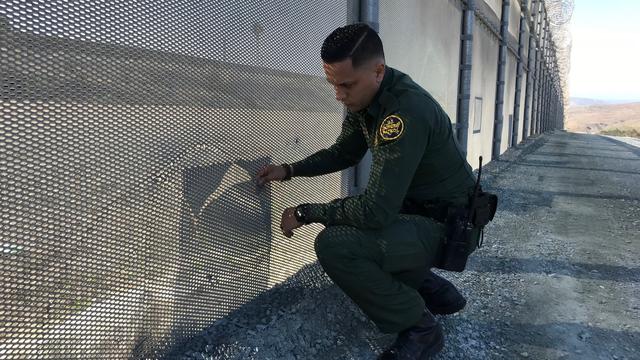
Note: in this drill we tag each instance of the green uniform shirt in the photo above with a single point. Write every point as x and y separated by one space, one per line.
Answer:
414 153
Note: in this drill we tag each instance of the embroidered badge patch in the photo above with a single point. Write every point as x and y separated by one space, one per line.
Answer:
391 128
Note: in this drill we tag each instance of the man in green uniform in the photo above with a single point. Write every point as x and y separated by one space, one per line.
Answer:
375 252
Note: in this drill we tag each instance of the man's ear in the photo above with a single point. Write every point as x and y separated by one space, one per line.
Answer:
379 71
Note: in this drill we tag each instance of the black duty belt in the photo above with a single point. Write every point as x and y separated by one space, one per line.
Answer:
437 210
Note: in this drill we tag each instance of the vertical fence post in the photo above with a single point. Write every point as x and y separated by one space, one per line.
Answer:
547 80
543 74
519 73
538 79
464 77
547 74
351 177
559 95
553 111
498 119
367 12
547 102
556 87
528 96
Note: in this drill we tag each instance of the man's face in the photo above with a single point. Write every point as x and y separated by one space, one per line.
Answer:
355 88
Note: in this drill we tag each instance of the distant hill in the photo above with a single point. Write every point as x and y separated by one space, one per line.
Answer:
612 119
576 101
579 101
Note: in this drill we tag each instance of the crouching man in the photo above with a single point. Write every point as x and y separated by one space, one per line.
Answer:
379 254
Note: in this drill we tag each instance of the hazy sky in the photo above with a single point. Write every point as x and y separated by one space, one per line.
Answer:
606 50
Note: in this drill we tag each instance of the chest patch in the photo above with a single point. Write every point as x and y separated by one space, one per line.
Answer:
391 128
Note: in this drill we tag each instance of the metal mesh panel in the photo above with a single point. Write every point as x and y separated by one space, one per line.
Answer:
130 135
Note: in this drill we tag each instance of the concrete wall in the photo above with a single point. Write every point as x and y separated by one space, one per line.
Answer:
422 39
509 99
510 78
525 41
514 18
483 85
496 6
523 93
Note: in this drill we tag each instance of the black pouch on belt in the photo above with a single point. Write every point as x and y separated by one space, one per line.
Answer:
484 208
459 224
456 249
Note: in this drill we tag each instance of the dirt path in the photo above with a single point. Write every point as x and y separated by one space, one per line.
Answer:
558 277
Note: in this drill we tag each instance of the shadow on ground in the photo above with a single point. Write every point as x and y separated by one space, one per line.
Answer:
505 265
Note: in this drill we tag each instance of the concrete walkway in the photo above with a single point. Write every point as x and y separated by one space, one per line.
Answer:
557 278
562 264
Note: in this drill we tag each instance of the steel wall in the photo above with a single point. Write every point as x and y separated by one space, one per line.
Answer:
130 136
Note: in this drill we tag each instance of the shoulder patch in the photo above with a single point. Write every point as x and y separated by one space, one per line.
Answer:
391 128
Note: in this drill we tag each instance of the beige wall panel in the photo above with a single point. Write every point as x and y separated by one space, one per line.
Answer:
522 105
514 18
509 99
422 39
496 6
483 85
525 41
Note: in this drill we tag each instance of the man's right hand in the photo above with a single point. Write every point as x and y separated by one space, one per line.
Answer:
270 173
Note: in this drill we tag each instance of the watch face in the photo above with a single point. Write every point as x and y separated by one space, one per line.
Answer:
299 214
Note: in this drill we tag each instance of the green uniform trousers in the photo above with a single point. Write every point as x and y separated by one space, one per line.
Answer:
381 269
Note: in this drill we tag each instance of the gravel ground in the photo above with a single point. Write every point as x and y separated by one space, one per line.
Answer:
558 276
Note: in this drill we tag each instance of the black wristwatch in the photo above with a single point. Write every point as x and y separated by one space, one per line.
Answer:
301 213
288 170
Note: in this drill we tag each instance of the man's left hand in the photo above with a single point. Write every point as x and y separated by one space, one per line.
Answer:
289 222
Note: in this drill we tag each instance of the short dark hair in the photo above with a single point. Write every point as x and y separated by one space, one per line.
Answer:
356 41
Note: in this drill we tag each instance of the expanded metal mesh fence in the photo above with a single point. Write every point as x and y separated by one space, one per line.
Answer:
129 138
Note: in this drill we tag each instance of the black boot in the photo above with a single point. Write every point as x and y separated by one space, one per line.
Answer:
418 342
440 296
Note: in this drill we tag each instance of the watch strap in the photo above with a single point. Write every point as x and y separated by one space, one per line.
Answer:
288 171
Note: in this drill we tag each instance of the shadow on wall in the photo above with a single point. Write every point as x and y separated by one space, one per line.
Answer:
225 245
219 261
